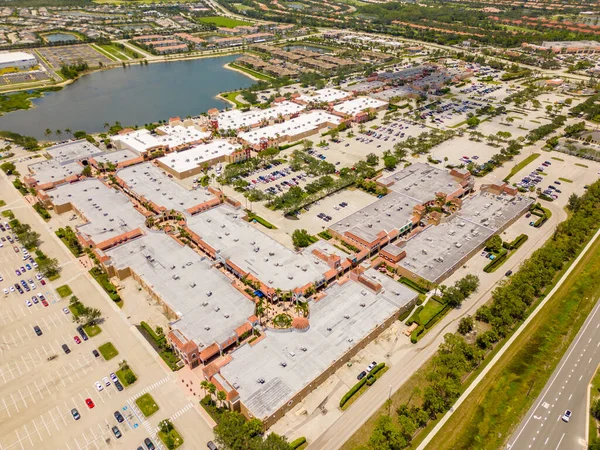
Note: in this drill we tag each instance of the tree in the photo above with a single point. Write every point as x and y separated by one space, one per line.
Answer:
91 315
465 325
211 389
221 396
48 267
307 144
390 162
334 134
165 426
386 435
473 122
29 239
400 151
573 203
494 244
87 171
468 284
301 238
9 168
372 159
595 409
453 297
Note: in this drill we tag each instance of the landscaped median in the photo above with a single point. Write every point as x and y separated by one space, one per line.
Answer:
108 351
169 435
159 343
147 405
359 388
594 429
517 168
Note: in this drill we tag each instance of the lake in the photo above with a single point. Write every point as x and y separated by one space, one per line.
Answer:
133 96
60 37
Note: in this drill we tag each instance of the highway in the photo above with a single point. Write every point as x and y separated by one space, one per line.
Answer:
542 427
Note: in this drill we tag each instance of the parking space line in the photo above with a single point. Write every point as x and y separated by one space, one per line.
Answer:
77 443
45 425
28 435
23 398
30 395
38 431
6 407
25 362
19 440
46 323
46 385
14 403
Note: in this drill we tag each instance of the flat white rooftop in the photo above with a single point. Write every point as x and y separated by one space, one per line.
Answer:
49 171
236 119
73 151
140 141
389 213
253 251
151 182
108 211
210 308
358 105
178 135
325 95
196 156
16 57
421 181
338 322
298 125
116 157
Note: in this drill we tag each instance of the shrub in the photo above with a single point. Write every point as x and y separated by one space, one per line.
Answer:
414 285
353 390
404 315
414 337
297 443
155 337
415 316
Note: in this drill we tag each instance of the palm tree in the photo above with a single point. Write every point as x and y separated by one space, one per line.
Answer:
221 396
204 385
106 125
48 132
68 130
58 132
211 389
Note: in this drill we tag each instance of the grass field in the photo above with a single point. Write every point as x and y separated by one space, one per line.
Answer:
64 290
108 351
175 436
254 73
494 409
430 309
224 22
594 395
231 96
147 405
522 164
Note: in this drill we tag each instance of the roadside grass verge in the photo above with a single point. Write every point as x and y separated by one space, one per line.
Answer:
108 351
521 165
147 405
594 436
496 406
363 388
64 291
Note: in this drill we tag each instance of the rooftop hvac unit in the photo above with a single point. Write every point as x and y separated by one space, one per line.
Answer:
363 293
217 309
328 328
346 316
204 303
261 381
303 349
226 316
207 328
176 277
457 244
283 364
192 284
208 293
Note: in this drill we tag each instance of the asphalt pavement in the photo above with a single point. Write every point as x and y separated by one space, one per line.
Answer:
543 427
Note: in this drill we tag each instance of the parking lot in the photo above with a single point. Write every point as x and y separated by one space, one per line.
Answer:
73 54
41 385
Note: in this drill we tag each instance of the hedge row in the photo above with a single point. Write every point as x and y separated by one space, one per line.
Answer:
414 285
353 390
155 337
414 336
541 221
520 240
404 315
415 317
437 317
496 262
297 443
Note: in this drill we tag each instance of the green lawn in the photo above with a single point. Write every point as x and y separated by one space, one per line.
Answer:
108 351
8 213
430 310
64 291
254 73
92 330
147 405
175 436
231 96
125 375
521 165
566 180
224 22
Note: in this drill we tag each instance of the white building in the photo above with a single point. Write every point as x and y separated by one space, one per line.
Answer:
20 60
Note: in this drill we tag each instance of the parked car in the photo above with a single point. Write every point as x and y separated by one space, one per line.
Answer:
371 366
361 375
66 349
118 416
95 353
116 432
37 330
149 444
75 414
90 404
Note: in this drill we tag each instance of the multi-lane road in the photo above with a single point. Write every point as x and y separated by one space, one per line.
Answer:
543 427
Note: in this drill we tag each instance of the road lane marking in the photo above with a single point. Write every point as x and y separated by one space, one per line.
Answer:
561 438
